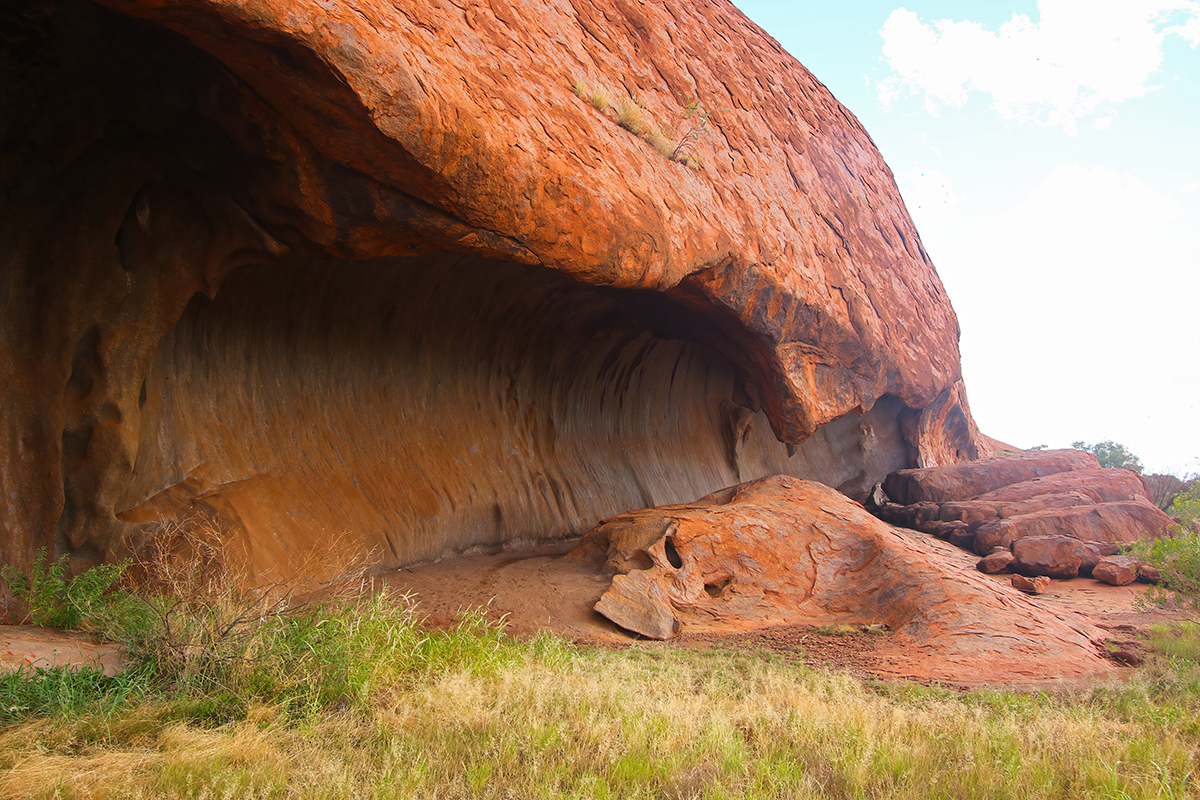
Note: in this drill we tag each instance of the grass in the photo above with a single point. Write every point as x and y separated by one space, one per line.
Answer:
260 694
473 712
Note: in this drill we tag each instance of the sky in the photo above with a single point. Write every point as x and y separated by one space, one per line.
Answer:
1049 154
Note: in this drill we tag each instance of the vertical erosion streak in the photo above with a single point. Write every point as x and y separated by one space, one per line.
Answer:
426 406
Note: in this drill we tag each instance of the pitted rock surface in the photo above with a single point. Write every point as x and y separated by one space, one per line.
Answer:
784 551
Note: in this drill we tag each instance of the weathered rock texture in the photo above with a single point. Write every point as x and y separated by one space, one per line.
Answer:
1057 512
781 550
374 269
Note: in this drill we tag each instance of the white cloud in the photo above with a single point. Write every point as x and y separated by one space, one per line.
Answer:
1078 311
1080 58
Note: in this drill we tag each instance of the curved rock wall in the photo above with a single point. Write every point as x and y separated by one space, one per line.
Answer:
440 403
288 161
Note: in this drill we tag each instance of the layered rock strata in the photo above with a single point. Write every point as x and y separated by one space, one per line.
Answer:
377 271
780 550
1057 513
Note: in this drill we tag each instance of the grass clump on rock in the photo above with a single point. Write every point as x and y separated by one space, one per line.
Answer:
630 114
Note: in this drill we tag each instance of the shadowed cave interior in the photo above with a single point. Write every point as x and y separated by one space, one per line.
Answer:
444 403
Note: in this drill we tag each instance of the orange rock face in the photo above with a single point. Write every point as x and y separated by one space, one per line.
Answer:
393 271
781 550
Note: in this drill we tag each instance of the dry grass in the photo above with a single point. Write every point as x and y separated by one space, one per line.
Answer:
349 698
630 114
553 722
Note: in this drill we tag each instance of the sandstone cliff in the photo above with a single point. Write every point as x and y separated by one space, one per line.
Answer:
390 272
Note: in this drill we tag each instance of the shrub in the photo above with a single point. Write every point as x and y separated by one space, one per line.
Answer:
211 643
1185 507
631 115
1177 558
1163 489
52 599
1112 455
62 691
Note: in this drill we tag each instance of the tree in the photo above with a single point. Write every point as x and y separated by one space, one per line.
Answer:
1111 455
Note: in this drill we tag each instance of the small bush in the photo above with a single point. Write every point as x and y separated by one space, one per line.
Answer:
631 115
1185 507
1163 489
1181 640
1177 558
211 644
1111 455
62 691
52 599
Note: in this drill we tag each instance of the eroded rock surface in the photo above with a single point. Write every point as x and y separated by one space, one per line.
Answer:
375 271
780 550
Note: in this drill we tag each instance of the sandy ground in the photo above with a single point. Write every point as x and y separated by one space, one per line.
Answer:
544 589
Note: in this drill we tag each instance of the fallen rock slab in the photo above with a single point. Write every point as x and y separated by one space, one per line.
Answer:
1036 585
996 562
972 479
1116 570
1099 485
1052 556
1149 574
784 551
1120 522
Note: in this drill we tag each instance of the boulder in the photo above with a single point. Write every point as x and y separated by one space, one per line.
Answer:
944 530
1116 570
972 479
963 538
1028 585
1121 522
996 562
1093 552
1098 484
398 272
971 512
1053 556
781 550
1148 574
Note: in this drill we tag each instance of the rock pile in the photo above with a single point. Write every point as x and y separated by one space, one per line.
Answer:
1055 513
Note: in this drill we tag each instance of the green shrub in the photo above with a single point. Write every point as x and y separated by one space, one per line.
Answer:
211 644
1177 640
1111 455
1185 507
1177 558
54 600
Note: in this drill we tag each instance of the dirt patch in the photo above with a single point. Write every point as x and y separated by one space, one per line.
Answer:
542 589
29 647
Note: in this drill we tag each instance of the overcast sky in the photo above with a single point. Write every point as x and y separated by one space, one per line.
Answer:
1049 153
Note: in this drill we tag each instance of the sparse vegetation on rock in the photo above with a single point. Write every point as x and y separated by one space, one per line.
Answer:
633 116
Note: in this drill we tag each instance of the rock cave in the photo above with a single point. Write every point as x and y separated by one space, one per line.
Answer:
378 276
